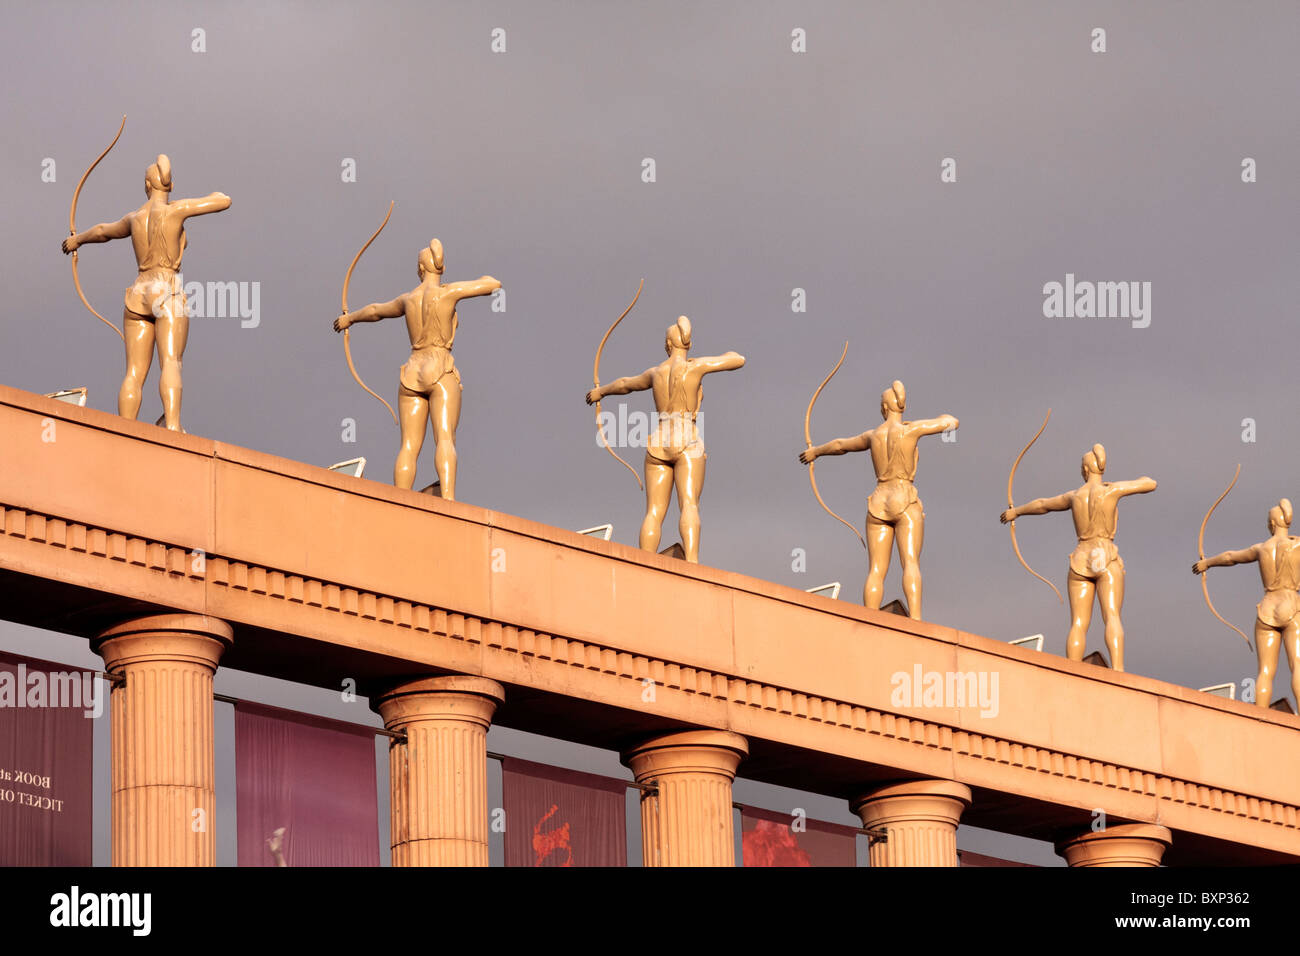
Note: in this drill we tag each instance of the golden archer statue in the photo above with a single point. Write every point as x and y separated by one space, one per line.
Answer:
675 455
154 313
894 510
1277 616
429 380
1095 564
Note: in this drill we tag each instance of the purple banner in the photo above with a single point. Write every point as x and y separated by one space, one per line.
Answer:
47 719
967 858
560 817
306 789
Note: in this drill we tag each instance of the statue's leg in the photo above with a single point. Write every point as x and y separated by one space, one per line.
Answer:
446 416
658 489
173 331
139 333
1110 593
880 538
909 531
1081 591
688 473
1267 640
1291 641
413 416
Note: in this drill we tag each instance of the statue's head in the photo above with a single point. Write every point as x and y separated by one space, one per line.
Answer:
893 399
158 177
679 335
1094 462
430 259
1279 516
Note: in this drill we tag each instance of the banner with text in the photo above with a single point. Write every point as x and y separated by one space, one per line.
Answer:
306 789
558 817
47 742
791 839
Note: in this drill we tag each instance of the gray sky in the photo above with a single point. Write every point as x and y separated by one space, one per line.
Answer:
775 170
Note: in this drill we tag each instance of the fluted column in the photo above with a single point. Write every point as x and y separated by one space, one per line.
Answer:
1129 844
919 818
687 820
164 791
438 774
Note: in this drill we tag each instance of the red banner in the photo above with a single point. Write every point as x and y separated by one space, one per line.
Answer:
47 741
560 817
788 839
306 789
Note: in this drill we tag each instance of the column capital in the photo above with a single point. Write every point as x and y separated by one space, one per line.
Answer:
691 751
920 819
190 638
455 697
1129 844
937 801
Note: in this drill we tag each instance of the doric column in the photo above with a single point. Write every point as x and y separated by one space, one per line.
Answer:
438 774
163 804
919 818
1129 844
686 820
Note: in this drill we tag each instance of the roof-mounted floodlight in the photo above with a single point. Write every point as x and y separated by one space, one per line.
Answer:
1034 640
73 396
356 467
831 590
605 531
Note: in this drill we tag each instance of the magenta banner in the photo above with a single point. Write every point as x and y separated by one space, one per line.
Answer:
791 839
306 789
560 817
47 740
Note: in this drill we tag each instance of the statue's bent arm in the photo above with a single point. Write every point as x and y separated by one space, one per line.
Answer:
213 202
936 426
1139 486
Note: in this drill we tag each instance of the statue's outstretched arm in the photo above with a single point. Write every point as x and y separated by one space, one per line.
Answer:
622 386
837 446
1039 506
1227 559
100 233
372 313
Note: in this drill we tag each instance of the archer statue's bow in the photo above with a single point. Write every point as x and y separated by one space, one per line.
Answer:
1200 549
807 437
595 378
72 231
347 346
1011 504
